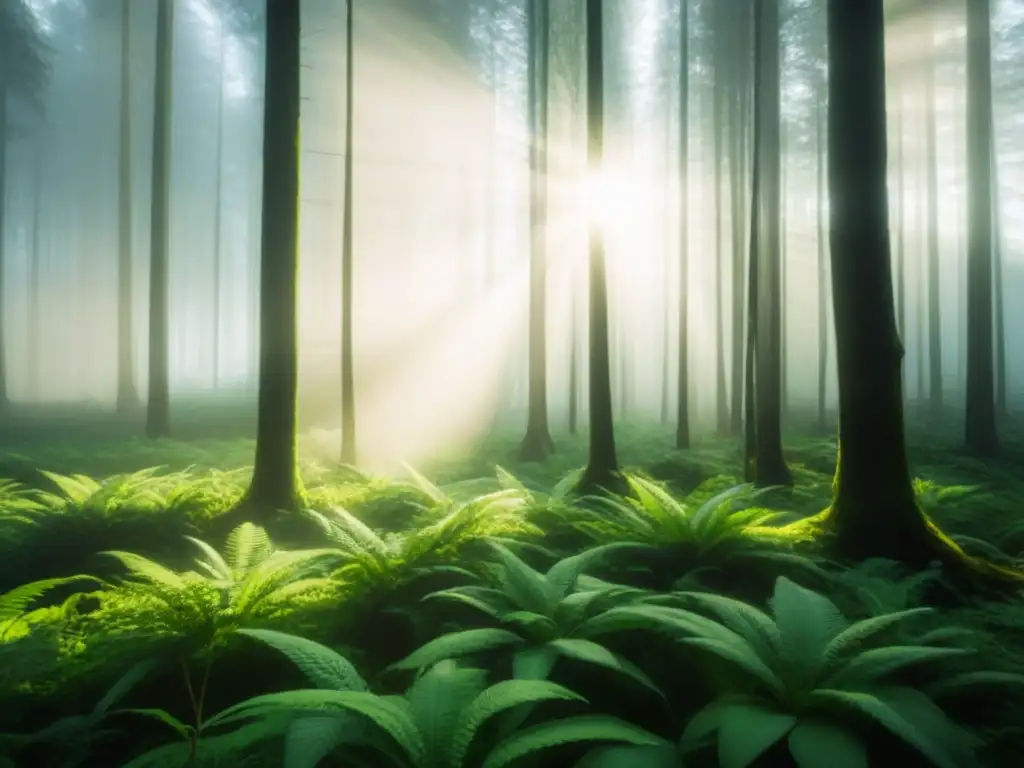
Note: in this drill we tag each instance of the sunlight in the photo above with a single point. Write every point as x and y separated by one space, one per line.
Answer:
616 201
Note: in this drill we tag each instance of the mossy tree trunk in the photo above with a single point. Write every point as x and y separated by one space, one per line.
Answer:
874 512
602 469
537 444
349 453
980 425
823 307
275 482
158 417
127 395
770 465
683 329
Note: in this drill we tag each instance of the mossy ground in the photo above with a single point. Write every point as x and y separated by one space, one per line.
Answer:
71 655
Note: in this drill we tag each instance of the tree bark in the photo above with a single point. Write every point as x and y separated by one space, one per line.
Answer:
682 331
349 452
770 466
275 481
980 418
127 394
602 469
158 401
932 230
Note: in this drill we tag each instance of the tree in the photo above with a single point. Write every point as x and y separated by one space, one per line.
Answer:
537 444
275 481
874 512
349 454
683 332
218 203
158 415
770 465
602 469
24 75
980 418
127 395
932 226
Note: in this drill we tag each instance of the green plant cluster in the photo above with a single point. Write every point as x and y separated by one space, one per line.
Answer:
479 623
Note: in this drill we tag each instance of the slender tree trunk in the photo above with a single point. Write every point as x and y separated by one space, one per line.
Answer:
127 394
980 427
537 442
349 453
737 131
574 363
718 152
4 136
783 270
683 332
934 315
34 277
901 230
997 285
753 258
602 463
158 400
771 467
217 218
275 479
819 122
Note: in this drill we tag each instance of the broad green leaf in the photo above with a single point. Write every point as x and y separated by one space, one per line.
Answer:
820 745
324 667
456 644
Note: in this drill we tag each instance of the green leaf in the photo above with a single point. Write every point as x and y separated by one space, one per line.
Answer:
437 700
820 745
632 757
456 644
592 653
496 699
873 665
324 667
534 663
747 731
957 683
388 715
570 730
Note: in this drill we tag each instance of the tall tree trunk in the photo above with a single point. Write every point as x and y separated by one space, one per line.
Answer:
217 218
739 104
574 362
158 401
934 299
980 425
275 480
537 444
4 137
127 395
718 152
901 230
602 463
683 332
349 452
753 257
34 276
997 285
771 467
819 124
783 270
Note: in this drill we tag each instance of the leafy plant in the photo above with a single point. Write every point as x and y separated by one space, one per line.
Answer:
435 725
543 617
805 676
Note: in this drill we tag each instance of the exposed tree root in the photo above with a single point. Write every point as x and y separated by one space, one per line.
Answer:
909 537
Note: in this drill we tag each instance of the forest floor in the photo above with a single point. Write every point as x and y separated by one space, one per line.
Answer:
69 491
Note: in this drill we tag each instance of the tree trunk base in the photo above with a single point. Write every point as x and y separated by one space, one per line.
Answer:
536 446
908 537
602 483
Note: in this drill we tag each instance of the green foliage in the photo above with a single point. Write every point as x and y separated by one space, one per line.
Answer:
543 617
435 725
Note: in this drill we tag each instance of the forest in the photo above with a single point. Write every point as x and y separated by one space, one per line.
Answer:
511 383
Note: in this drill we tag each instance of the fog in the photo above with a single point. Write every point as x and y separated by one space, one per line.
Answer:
441 209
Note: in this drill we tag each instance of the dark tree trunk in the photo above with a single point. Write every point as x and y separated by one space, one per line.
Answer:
275 480
980 426
127 394
932 229
683 381
602 463
217 218
770 467
719 20
537 444
819 120
901 230
34 276
739 108
158 415
349 453
997 286
4 137
753 258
